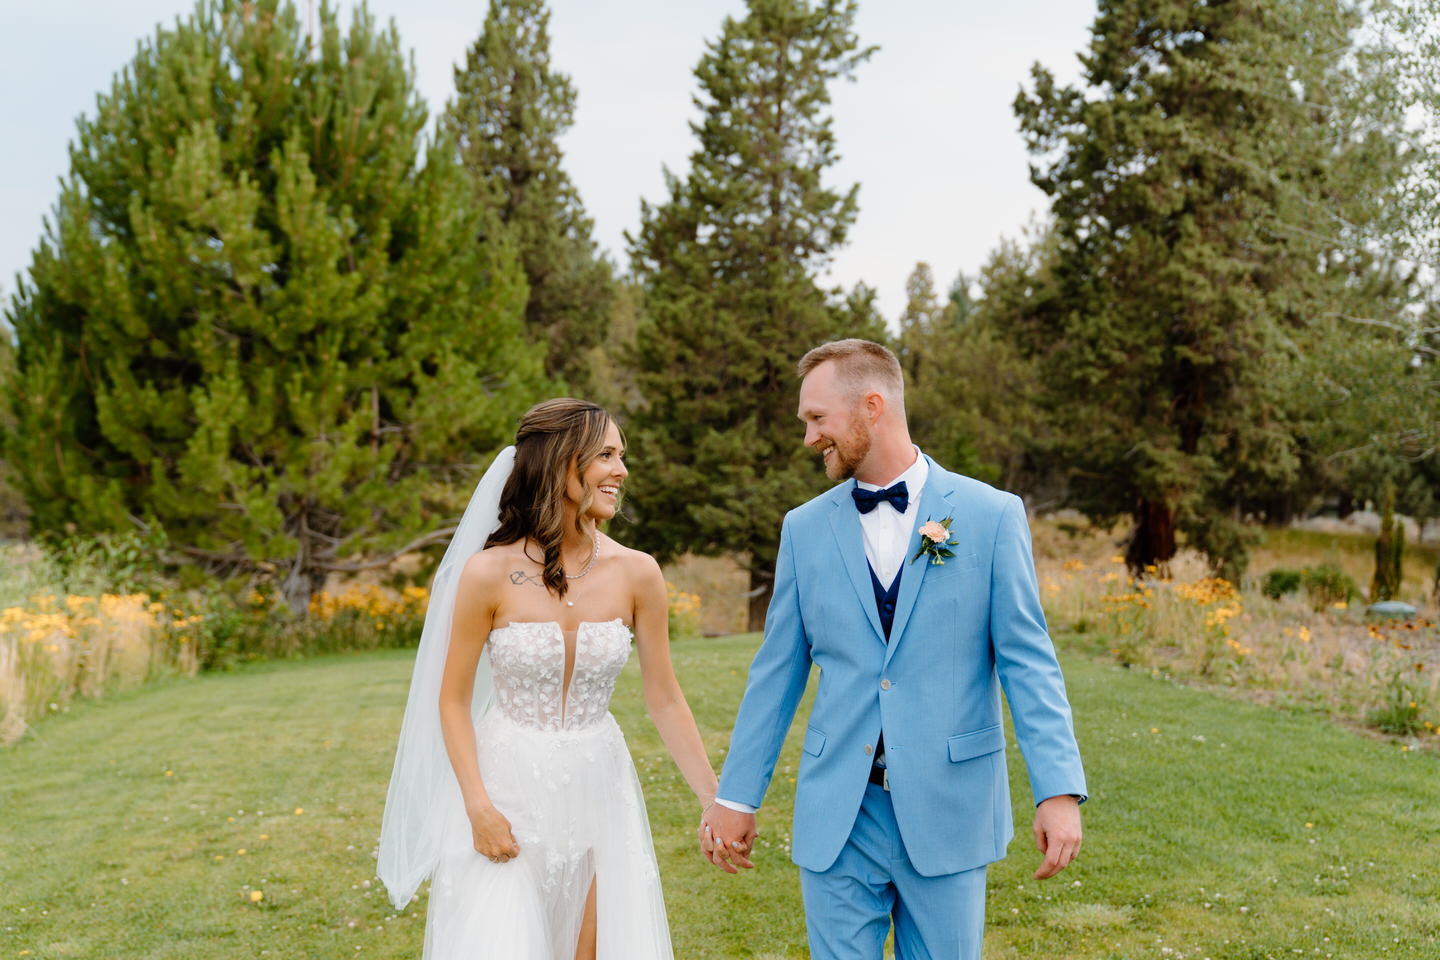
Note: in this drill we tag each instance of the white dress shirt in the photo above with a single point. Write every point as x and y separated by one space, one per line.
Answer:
885 530
886 533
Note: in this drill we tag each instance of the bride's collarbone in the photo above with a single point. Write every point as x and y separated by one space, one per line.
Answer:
600 595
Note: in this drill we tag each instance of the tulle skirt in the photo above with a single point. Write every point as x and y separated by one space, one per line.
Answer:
574 804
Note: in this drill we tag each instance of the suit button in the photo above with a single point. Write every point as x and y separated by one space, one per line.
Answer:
869 750
885 684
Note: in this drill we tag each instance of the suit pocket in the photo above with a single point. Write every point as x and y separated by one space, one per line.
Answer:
954 567
814 741
976 743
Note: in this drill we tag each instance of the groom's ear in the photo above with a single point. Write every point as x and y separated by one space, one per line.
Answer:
874 406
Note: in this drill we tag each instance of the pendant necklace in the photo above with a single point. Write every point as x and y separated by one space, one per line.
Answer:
593 554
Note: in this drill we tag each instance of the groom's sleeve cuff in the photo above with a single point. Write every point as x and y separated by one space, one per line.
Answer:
736 805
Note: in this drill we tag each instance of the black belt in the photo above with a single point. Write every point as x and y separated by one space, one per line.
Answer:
878 776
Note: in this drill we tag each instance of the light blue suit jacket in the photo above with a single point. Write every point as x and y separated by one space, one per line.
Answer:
962 631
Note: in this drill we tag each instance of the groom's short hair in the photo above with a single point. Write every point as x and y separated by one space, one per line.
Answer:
862 365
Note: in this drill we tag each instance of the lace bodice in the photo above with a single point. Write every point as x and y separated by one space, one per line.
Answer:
528 660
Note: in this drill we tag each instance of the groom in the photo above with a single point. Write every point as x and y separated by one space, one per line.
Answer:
902 796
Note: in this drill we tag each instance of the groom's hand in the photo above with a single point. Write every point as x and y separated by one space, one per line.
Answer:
1057 834
727 836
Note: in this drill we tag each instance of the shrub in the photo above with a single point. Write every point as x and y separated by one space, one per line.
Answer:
1327 585
684 613
1280 582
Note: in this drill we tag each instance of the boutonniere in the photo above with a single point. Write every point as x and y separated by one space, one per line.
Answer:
935 541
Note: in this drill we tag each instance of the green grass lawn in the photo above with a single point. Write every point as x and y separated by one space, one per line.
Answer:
1215 829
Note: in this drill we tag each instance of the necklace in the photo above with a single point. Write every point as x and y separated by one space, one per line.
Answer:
593 554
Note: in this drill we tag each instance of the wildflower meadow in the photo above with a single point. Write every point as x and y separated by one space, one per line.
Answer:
1376 674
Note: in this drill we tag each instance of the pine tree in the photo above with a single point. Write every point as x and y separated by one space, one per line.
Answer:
728 265
12 505
923 313
969 394
257 320
960 299
1206 185
509 112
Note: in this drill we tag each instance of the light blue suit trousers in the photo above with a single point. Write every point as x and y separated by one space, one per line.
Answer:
963 631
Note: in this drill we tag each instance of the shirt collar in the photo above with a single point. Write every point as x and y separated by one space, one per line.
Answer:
914 477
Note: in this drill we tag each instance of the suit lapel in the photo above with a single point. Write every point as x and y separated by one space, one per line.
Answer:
935 504
845 524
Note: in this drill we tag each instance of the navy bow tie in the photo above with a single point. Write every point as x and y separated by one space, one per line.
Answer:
898 496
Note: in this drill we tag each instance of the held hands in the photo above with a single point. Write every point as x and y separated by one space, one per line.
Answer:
491 833
727 837
1057 834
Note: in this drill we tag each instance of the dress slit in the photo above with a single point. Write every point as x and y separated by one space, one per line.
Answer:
592 903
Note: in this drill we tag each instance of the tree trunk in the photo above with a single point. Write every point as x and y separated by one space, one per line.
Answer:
762 586
1153 543
303 579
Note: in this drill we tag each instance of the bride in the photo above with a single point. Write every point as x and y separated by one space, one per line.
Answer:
529 815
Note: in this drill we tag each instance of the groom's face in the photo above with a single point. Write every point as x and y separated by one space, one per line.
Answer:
835 423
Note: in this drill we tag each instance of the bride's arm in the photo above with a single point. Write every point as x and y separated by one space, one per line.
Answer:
469 628
663 698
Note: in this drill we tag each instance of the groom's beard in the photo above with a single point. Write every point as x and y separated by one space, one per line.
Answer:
850 452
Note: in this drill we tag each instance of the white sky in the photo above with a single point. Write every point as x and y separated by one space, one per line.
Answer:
926 130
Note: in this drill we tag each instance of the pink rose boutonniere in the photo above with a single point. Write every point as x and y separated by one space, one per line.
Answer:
935 541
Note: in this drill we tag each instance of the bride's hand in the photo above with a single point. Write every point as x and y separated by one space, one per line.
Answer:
491 833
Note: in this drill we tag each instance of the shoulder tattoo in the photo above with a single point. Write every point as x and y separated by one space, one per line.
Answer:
520 578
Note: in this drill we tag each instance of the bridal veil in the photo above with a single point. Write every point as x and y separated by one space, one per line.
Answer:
423 793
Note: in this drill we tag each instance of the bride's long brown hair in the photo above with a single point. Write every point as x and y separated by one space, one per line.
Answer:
554 437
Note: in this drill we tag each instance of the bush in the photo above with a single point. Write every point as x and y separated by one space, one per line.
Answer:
684 613
1280 582
259 626
1327 585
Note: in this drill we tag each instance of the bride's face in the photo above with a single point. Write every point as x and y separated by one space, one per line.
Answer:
602 477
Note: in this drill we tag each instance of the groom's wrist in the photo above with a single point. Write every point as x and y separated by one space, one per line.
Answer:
736 805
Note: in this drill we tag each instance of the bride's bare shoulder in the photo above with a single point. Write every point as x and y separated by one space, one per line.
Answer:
637 564
491 564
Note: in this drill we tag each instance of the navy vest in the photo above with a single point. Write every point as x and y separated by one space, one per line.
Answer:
885 601
885 604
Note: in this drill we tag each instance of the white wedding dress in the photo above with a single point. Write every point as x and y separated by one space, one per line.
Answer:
554 762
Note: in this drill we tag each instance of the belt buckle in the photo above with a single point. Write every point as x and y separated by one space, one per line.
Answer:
885 779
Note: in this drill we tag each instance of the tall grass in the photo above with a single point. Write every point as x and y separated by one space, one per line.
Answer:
66 632
63 635
1204 630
